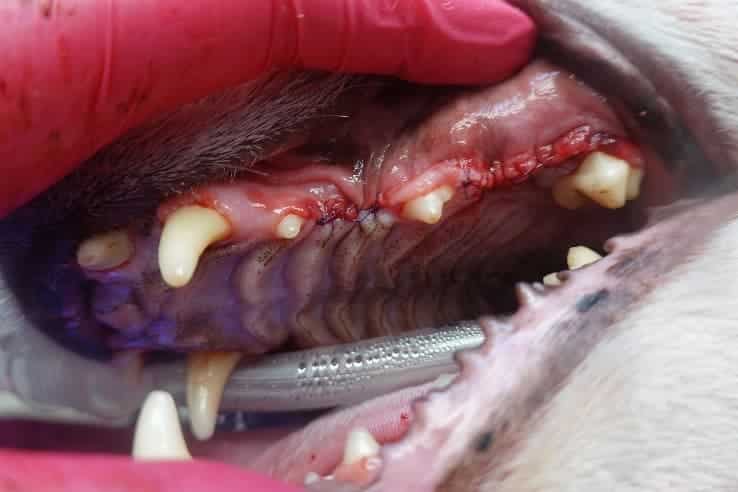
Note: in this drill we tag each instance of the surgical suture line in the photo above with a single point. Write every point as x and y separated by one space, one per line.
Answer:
338 375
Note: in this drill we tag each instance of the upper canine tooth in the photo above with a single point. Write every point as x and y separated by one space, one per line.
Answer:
207 374
580 256
603 178
360 444
105 251
158 435
186 234
565 194
290 226
429 207
634 183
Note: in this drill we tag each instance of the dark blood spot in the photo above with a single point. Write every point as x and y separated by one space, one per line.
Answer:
313 457
585 303
404 417
46 7
483 442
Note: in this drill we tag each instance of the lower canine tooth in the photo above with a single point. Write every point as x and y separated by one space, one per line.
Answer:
105 251
207 374
186 234
603 178
158 435
290 226
360 444
634 183
429 207
580 256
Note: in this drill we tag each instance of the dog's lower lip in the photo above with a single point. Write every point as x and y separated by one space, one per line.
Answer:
70 472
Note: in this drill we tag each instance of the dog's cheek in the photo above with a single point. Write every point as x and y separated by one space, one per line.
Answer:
653 406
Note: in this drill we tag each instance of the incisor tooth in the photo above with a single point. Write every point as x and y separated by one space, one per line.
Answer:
565 194
186 234
603 178
158 435
552 280
290 226
105 251
634 183
429 207
360 444
580 256
207 374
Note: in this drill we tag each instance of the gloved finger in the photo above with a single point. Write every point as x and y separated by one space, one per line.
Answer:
427 41
74 75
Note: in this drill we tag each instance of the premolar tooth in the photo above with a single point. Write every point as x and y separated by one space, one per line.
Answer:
207 374
158 435
634 183
565 194
603 178
360 444
105 251
580 256
290 226
186 234
551 280
429 207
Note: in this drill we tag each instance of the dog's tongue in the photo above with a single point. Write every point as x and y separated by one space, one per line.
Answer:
67 472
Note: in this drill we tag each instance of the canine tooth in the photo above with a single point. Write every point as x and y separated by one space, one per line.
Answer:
551 280
603 178
360 444
565 194
105 251
207 374
186 234
429 207
158 435
290 226
580 256
634 183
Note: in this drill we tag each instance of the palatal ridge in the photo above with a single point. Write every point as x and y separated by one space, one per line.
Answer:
188 231
158 434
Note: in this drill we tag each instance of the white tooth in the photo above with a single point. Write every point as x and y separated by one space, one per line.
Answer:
580 256
634 183
158 435
551 280
603 178
207 374
105 251
360 444
565 194
290 226
186 234
311 478
429 207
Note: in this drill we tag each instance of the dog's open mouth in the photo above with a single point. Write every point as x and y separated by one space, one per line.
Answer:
379 208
